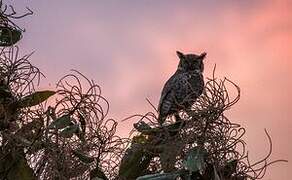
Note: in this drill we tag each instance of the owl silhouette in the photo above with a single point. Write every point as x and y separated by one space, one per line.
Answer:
183 87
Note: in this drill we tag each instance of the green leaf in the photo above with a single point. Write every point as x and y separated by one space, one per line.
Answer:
4 92
164 176
83 157
216 176
35 98
14 166
82 122
21 170
97 178
16 36
140 139
61 122
168 153
229 168
195 160
69 131
135 161
142 126
97 174
9 36
24 141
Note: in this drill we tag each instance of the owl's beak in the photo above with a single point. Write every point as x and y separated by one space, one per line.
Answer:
203 55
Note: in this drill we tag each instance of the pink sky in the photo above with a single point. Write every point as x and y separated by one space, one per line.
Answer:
128 48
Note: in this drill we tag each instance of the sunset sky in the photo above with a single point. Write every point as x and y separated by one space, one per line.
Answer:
128 48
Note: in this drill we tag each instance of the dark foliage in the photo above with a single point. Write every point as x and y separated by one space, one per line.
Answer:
204 144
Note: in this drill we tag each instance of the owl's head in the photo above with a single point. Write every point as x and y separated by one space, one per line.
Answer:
191 62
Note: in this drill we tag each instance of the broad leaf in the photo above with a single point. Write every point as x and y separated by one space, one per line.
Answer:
21 170
97 174
229 168
4 92
216 176
168 153
35 98
82 123
195 160
9 36
69 131
142 126
134 163
14 166
97 178
61 122
83 157
140 139
164 176
24 141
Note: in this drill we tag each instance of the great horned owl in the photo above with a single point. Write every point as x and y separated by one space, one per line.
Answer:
183 87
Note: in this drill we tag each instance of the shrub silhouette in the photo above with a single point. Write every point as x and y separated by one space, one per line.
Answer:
205 144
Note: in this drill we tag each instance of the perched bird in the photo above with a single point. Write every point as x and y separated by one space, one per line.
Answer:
183 87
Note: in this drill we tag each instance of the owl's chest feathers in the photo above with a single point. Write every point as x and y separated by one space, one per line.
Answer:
191 77
190 84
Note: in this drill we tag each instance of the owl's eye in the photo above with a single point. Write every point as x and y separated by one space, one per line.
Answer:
195 62
199 62
189 63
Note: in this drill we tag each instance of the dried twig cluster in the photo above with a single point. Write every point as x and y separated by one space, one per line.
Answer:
17 72
82 145
71 138
206 128
92 145
7 13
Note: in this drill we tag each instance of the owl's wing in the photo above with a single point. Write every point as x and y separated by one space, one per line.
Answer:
167 89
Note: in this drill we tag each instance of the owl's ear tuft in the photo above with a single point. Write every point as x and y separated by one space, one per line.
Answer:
203 55
180 55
